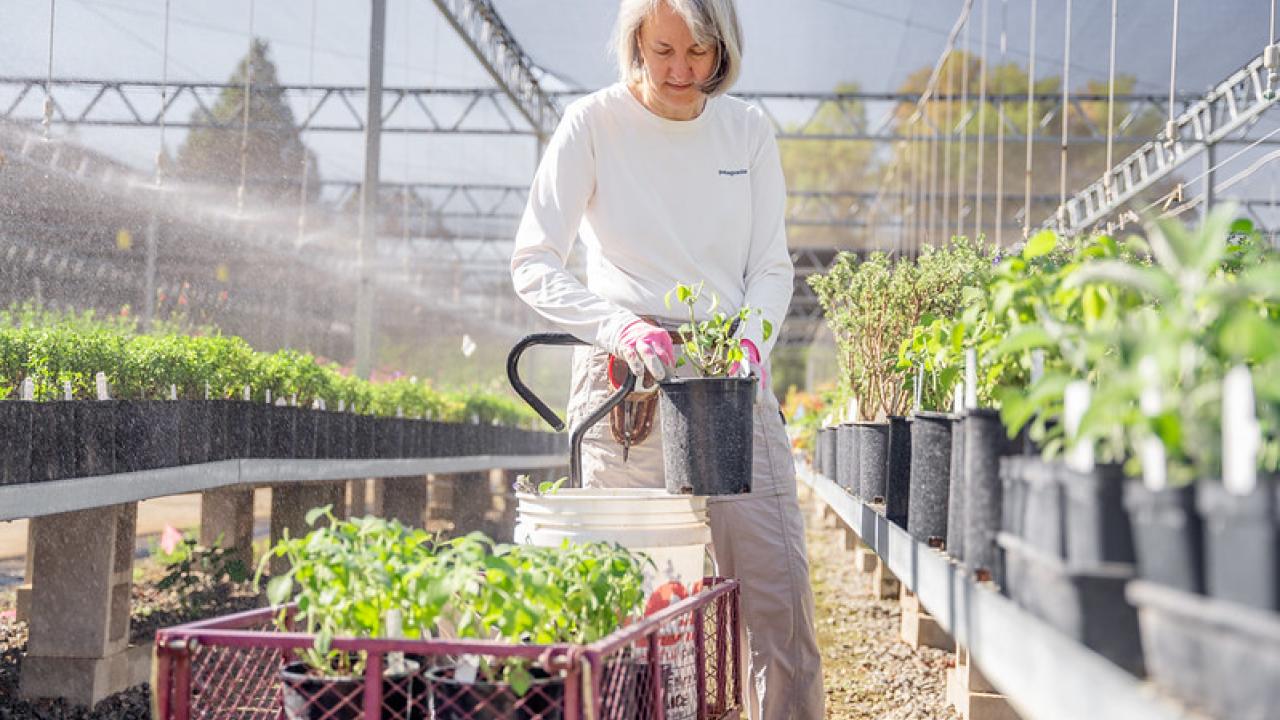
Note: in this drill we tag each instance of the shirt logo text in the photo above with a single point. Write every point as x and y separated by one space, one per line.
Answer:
731 173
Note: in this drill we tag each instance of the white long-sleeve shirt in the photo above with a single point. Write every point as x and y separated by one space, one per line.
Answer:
656 202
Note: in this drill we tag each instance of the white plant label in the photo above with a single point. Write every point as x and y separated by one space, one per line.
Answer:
971 379
851 410
1154 464
395 629
919 387
100 385
1241 436
28 390
399 412
468 666
342 405
246 395
293 400
206 390
468 346
1075 404
1037 366
957 399
66 389
268 396
173 392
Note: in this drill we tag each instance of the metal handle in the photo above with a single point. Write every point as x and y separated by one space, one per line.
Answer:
535 402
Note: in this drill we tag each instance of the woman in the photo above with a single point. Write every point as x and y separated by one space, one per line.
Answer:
669 180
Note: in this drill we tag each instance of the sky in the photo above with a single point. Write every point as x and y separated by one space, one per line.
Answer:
791 45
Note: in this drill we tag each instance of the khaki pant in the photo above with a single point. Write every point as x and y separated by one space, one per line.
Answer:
757 539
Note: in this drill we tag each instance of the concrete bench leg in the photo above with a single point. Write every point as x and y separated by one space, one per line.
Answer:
971 695
472 501
290 505
919 628
226 520
83 573
22 597
358 498
405 499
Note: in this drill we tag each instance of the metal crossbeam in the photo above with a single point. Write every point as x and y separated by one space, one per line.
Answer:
482 29
1233 105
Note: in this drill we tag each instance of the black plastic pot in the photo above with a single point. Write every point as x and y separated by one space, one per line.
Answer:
1097 527
930 476
306 433
707 426
95 432
829 460
1214 655
53 441
284 432
956 492
1241 544
846 471
146 435
985 442
451 699
261 436
898 474
308 697
219 413
1087 606
873 460
1168 535
1035 484
15 442
240 417
388 439
195 443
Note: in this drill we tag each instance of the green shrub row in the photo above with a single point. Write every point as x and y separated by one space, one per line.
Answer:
56 349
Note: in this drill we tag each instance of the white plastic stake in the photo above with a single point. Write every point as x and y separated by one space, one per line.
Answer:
475 419
268 396
395 629
851 410
100 384
971 379
1241 436
1075 403
1155 470
1037 365
66 390
957 399
342 405
293 400
206 390
919 387
173 392
28 390
247 395
399 411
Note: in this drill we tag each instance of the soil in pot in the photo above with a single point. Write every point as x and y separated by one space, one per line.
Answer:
1097 527
930 476
1168 535
985 442
873 460
846 470
95 431
898 474
308 697
1241 544
53 441
956 499
15 442
452 699
195 442
146 435
707 426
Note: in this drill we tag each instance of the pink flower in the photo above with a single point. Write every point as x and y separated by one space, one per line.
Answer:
9 615
170 539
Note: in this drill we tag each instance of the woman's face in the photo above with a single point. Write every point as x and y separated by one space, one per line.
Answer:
676 65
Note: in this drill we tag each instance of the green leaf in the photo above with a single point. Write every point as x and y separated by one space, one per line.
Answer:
1040 244
1149 281
768 329
279 589
314 514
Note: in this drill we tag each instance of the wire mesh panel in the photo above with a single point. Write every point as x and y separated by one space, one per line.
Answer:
680 663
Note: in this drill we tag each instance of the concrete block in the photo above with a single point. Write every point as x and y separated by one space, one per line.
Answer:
884 584
405 499
22 596
920 629
975 701
472 501
226 519
358 501
290 505
865 560
80 681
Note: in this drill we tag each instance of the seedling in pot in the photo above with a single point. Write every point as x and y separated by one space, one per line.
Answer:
711 345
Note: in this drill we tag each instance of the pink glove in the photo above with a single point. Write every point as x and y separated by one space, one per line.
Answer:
645 346
753 364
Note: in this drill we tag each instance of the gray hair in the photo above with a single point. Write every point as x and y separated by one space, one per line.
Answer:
713 23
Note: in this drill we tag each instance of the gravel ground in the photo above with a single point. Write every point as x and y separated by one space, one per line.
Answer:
868 672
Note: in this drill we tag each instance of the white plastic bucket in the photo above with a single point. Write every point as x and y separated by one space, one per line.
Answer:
671 529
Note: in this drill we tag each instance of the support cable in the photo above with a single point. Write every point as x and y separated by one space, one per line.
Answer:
1171 127
932 235
244 130
1031 88
982 124
48 83
306 155
1066 115
1004 47
964 130
1271 58
1111 97
945 220
164 97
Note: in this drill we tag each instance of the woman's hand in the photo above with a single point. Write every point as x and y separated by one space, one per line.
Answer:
645 346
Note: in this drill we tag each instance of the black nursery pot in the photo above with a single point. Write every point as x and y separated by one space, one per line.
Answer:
1097 527
308 697
95 431
452 699
284 432
1168 535
388 439
985 442
930 476
898 474
872 457
1241 544
846 472
15 441
707 426
195 442
306 433
218 418
1040 517
53 441
956 493
829 452
146 435
364 427
239 430
261 437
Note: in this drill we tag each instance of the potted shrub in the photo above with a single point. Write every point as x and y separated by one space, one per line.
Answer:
707 421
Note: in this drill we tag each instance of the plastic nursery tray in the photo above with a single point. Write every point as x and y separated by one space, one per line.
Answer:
680 663
1214 655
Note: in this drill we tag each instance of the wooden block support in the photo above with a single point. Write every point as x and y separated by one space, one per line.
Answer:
83 575
919 629
851 540
972 696
884 584
865 560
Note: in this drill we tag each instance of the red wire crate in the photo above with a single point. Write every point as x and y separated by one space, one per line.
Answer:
680 663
